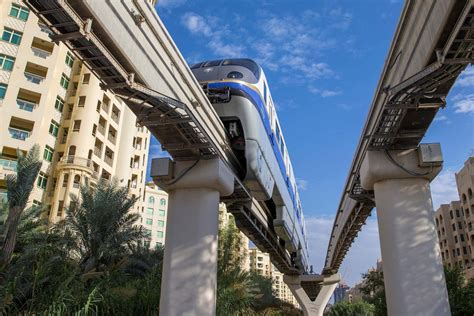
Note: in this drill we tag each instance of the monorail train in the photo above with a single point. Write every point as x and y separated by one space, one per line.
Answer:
239 92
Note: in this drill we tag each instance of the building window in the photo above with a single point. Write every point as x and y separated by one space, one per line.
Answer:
86 78
162 202
158 245
77 126
457 213
11 36
462 237
459 225
65 180
81 101
60 208
149 211
151 200
48 153
148 233
159 234
42 180
161 224
59 104
19 12
451 214
69 60
454 227
54 128
161 212
149 221
3 91
455 239
6 62
64 81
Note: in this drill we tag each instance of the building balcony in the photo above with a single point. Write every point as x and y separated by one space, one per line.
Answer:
41 53
18 133
98 152
101 129
8 164
36 79
26 105
109 160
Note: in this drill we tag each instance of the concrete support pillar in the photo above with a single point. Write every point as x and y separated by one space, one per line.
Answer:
412 266
189 280
317 306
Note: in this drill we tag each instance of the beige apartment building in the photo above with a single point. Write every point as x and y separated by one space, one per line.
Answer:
154 214
454 222
260 263
48 97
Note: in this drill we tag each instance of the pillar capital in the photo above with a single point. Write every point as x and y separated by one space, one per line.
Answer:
379 165
204 174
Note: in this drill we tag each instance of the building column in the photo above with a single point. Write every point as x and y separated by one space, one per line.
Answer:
316 306
412 266
189 279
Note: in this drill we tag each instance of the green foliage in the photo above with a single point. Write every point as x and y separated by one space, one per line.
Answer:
373 290
460 292
95 262
358 308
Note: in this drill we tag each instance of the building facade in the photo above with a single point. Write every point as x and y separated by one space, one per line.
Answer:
154 214
454 223
260 263
49 98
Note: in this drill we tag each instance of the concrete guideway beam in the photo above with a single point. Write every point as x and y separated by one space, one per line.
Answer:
189 279
327 284
413 271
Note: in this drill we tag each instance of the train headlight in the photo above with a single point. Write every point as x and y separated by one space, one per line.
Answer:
235 75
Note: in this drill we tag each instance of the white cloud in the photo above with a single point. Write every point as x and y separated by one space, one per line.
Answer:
464 103
440 118
210 28
444 189
324 93
466 79
302 184
196 24
318 230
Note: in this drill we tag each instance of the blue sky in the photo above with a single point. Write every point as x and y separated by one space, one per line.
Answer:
323 59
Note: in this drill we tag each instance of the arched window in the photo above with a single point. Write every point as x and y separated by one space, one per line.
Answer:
151 200
457 213
441 218
451 214
464 198
469 193
77 181
72 150
437 222
162 202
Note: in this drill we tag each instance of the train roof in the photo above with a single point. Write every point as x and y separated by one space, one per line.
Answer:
244 62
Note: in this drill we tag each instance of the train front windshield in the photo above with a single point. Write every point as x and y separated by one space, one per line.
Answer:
215 70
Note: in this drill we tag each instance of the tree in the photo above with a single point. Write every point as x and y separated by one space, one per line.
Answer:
373 290
19 187
102 227
358 308
460 292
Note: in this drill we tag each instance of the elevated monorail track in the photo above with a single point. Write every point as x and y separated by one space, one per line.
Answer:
158 86
433 44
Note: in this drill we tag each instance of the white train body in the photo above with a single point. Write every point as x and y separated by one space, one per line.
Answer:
240 95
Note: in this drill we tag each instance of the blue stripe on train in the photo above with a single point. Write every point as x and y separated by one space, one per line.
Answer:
257 100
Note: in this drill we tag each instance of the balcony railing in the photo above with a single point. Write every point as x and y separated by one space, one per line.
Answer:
98 152
74 160
41 53
8 164
115 117
101 129
18 133
45 29
33 78
112 139
109 160
26 105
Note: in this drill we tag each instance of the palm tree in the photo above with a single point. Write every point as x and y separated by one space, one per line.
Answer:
19 188
104 229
